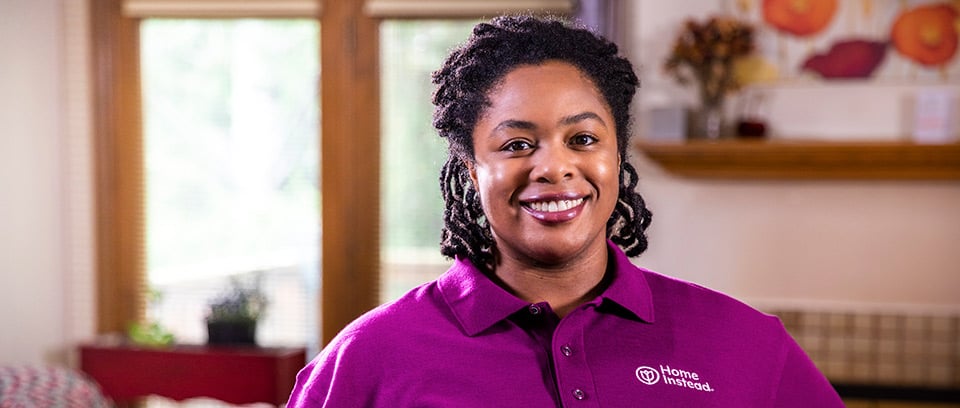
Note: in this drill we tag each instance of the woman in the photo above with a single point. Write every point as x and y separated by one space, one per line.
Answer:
542 306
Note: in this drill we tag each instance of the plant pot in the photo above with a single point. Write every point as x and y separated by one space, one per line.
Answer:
238 333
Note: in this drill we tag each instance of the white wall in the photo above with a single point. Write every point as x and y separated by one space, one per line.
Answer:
821 244
31 282
46 234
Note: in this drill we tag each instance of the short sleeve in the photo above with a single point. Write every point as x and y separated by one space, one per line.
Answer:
342 375
802 384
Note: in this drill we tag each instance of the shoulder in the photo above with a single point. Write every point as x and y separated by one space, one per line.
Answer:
673 295
746 343
406 314
348 371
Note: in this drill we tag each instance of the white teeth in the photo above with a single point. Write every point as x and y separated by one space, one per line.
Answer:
554 206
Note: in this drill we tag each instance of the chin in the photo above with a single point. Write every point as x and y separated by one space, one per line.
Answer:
555 253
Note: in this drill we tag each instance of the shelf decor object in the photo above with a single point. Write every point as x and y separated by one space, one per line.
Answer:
704 55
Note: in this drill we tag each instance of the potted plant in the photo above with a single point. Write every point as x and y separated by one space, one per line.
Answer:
233 315
150 332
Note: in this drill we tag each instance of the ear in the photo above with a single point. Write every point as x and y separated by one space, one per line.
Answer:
473 173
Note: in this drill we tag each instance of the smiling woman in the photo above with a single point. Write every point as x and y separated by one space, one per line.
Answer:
546 174
542 307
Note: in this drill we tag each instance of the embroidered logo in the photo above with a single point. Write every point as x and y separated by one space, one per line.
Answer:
648 375
673 376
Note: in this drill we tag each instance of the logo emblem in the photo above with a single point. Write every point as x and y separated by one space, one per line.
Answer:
648 375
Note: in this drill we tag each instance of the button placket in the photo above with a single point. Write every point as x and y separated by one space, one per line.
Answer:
571 370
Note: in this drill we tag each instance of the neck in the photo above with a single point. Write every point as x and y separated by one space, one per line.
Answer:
564 287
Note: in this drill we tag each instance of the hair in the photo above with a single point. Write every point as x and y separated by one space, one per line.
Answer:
463 83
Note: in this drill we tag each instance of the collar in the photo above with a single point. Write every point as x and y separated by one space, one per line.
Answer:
478 303
629 287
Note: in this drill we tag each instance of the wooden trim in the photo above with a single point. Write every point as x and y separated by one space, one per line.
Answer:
222 8
745 159
118 166
350 173
463 8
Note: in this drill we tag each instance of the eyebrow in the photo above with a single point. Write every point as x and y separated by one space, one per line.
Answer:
565 121
569 120
515 124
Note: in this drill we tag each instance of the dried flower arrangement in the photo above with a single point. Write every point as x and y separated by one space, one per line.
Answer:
705 53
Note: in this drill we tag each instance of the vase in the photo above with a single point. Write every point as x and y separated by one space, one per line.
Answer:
707 122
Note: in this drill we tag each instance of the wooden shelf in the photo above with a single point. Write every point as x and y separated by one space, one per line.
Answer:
755 159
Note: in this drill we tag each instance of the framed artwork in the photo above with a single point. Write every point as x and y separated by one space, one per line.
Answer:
900 41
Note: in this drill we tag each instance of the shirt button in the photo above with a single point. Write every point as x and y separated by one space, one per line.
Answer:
566 350
534 310
578 394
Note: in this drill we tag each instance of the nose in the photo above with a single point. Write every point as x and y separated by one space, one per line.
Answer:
552 163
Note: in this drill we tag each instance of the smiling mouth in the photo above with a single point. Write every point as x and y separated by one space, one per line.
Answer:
554 206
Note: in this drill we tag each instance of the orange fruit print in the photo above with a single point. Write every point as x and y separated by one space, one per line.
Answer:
926 34
799 17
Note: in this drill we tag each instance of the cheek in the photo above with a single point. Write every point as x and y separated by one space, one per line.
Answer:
497 185
494 179
608 175
486 183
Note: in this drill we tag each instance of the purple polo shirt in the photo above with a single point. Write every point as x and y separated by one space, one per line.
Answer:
648 341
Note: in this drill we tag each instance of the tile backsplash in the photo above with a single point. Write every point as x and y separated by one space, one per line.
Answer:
880 348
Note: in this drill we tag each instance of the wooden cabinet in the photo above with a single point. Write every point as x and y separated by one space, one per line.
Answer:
237 375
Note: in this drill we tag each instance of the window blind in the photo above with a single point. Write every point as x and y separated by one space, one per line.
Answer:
221 8
464 8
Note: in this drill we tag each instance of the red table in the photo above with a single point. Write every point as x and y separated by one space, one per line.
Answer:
236 375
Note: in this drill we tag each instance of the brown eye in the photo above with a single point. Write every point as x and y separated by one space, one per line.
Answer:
583 139
517 146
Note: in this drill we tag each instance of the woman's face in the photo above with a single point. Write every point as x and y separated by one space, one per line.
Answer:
546 164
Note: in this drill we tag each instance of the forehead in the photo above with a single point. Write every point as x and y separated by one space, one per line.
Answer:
552 84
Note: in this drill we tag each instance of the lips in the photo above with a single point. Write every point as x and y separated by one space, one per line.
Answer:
554 210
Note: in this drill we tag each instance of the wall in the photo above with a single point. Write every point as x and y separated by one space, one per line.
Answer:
816 244
46 286
31 287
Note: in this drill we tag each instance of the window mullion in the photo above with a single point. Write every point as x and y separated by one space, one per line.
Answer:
119 164
350 165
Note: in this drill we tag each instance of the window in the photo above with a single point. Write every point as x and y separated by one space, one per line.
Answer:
412 153
231 187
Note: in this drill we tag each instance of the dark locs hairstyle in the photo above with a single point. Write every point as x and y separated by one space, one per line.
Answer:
463 82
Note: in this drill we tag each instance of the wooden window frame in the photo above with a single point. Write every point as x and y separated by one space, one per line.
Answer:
349 90
118 161
349 100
